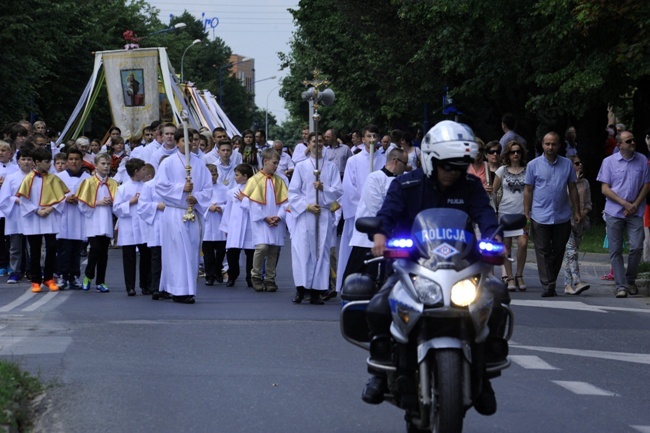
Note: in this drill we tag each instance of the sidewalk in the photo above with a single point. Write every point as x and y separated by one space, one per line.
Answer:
592 267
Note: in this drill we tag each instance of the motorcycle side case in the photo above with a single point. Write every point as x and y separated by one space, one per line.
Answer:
356 293
354 326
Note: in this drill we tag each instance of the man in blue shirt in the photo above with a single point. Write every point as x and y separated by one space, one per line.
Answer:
547 207
625 183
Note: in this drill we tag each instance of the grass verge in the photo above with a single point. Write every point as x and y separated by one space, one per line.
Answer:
17 389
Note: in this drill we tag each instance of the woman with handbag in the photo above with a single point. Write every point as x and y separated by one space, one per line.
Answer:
510 179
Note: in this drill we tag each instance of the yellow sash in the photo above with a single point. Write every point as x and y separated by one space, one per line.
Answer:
52 192
255 188
87 192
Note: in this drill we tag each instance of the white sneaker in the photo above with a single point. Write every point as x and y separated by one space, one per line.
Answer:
62 283
568 290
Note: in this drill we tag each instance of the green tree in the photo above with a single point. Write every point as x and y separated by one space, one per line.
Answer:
550 62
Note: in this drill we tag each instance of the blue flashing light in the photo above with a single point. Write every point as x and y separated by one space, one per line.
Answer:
491 248
400 243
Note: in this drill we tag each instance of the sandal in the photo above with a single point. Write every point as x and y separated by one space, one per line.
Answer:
511 286
521 287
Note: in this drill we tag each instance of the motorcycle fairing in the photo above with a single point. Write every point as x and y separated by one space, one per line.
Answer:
444 238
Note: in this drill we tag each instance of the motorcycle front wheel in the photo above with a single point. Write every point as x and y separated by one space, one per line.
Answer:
447 411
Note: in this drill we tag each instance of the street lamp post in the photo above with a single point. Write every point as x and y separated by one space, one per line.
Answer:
266 123
196 41
176 26
246 59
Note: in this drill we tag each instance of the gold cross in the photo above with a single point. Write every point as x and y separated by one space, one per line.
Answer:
316 83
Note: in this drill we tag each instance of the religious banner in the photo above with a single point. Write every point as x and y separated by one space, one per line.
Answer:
132 83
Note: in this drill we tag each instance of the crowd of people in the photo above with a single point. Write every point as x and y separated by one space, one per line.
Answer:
246 193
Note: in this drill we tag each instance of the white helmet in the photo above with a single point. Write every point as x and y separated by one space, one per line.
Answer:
451 142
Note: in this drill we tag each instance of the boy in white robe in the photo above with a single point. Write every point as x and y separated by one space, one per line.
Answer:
96 195
224 163
42 197
7 166
235 223
372 198
313 221
72 234
10 207
267 194
357 170
214 240
132 233
168 145
150 208
181 239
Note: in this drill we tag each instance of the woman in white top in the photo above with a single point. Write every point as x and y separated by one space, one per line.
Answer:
413 153
510 178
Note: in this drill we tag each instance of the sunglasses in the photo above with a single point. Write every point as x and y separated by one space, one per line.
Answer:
629 141
577 163
449 167
515 152
492 152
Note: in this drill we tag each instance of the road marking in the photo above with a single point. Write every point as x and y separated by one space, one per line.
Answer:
639 358
583 388
44 300
531 362
16 303
575 305
641 428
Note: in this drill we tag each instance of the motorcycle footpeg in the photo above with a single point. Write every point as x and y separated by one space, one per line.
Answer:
497 366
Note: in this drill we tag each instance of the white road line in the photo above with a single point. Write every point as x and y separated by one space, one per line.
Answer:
531 362
641 428
583 388
44 300
21 300
639 358
575 305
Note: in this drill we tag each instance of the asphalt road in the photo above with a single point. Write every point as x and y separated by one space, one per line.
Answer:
240 361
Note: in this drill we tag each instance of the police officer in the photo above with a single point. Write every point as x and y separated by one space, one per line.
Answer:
442 182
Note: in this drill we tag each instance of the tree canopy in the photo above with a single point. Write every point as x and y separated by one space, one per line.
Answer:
550 62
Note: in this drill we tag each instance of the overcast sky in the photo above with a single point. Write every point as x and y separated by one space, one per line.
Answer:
251 28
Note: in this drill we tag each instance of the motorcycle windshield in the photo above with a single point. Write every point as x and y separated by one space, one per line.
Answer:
444 238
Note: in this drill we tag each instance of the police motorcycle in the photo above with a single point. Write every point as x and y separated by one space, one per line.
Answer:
450 318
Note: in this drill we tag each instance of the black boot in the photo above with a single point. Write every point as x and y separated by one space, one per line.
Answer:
380 353
299 296
314 297
486 402
375 389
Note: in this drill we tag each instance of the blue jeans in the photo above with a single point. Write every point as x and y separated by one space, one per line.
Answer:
615 230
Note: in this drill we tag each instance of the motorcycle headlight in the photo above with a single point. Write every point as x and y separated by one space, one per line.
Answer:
429 292
464 293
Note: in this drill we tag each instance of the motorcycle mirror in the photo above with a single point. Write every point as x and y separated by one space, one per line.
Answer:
513 221
368 225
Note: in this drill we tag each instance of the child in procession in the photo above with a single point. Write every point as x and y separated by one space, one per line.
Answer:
235 222
133 229
96 195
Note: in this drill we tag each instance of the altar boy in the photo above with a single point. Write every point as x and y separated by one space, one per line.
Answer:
96 196
42 197
267 194
133 229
